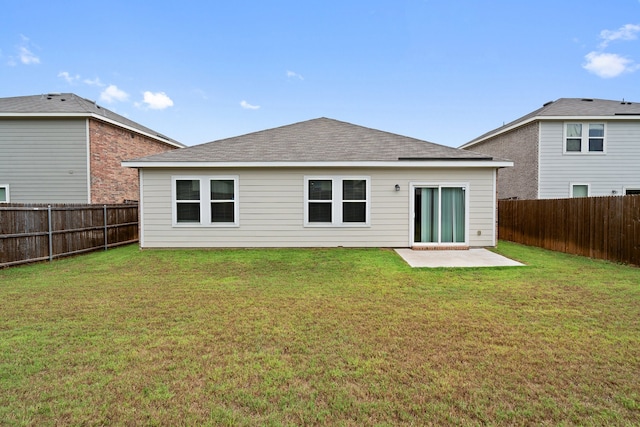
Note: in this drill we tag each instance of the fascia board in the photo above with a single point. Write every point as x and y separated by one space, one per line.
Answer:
403 164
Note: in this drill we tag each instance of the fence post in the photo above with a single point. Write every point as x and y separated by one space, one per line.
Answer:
50 234
106 238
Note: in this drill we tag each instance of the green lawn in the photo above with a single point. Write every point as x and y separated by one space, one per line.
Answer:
315 337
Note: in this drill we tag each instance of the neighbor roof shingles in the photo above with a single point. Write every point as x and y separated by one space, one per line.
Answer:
570 107
317 140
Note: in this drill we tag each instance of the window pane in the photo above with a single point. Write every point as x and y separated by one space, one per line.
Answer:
630 191
452 218
188 189
188 212
354 189
222 212
222 189
3 194
427 215
574 130
319 212
574 145
596 144
354 212
596 130
319 189
580 190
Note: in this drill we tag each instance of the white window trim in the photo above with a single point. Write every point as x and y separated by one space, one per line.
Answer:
336 201
7 192
584 145
205 201
412 212
572 184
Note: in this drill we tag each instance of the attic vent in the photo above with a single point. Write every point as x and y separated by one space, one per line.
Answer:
547 103
587 100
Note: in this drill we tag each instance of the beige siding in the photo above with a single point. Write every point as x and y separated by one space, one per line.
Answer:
271 205
43 160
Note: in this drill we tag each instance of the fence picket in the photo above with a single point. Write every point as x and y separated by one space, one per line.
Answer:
597 227
30 232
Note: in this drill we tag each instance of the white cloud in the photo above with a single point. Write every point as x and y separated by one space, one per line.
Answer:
608 65
247 106
94 82
112 94
294 75
68 77
24 53
157 101
626 32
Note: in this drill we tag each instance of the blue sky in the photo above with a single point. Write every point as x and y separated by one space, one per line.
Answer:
443 71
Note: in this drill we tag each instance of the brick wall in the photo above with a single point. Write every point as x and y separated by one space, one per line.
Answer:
110 145
520 146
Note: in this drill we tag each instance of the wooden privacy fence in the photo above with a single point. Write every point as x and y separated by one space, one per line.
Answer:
597 227
30 233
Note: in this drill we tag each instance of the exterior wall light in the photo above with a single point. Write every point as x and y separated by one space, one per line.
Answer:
397 187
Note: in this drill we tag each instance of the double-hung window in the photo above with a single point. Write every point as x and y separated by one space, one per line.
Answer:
584 138
205 201
4 193
337 201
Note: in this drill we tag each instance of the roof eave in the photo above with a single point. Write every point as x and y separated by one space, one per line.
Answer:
451 163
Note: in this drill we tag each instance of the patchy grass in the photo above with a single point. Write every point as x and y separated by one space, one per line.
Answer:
315 337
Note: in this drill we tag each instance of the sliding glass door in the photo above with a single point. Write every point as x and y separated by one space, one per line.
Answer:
439 215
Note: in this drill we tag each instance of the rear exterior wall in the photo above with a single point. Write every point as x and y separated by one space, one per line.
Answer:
271 208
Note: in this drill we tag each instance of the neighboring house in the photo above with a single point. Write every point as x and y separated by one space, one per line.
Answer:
61 148
318 183
568 148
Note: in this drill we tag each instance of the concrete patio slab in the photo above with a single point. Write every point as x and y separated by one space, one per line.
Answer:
455 258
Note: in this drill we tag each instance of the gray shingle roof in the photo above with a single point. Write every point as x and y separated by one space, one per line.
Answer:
570 107
69 103
317 140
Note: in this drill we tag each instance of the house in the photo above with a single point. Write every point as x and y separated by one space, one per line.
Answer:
318 183
61 148
568 148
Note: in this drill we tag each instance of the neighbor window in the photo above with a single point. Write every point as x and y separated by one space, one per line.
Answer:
336 201
584 138
206 200
4 194
631 191
579 190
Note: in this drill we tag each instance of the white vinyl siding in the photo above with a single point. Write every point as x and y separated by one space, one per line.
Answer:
44 160
272 208
606 173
